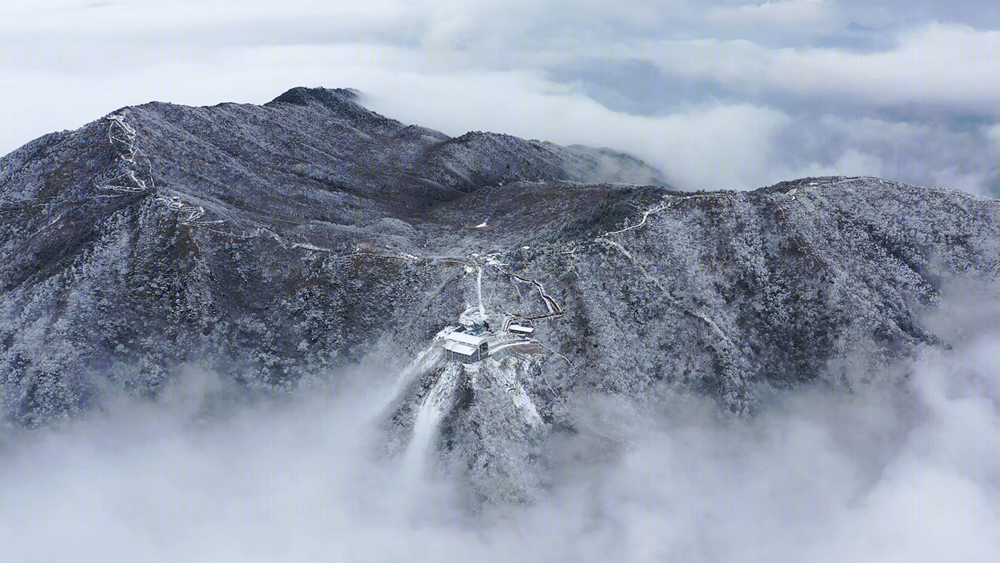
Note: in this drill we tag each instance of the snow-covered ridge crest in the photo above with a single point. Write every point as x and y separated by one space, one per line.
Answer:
340 236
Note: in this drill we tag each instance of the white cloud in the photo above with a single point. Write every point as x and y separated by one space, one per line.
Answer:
937 64
931 153
794 16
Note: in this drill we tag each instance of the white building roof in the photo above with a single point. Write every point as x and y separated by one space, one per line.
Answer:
520 328
469 339
460 348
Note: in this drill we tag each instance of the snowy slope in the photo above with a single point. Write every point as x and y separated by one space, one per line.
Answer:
291 241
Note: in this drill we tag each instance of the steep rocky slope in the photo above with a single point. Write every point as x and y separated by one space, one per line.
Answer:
272 243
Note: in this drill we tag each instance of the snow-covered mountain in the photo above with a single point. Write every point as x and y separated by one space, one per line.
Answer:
291 241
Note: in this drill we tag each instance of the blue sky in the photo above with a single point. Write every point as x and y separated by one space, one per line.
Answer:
719 94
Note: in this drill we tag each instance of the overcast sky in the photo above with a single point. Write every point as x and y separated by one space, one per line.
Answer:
717 93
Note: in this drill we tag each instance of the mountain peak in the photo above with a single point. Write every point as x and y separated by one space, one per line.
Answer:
342 102
302 96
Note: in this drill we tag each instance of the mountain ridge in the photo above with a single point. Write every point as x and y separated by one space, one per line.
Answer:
280 243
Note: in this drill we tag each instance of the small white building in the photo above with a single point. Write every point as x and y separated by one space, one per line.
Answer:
521 330
466 348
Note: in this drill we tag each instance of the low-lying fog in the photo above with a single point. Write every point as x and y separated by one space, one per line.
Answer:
906 474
